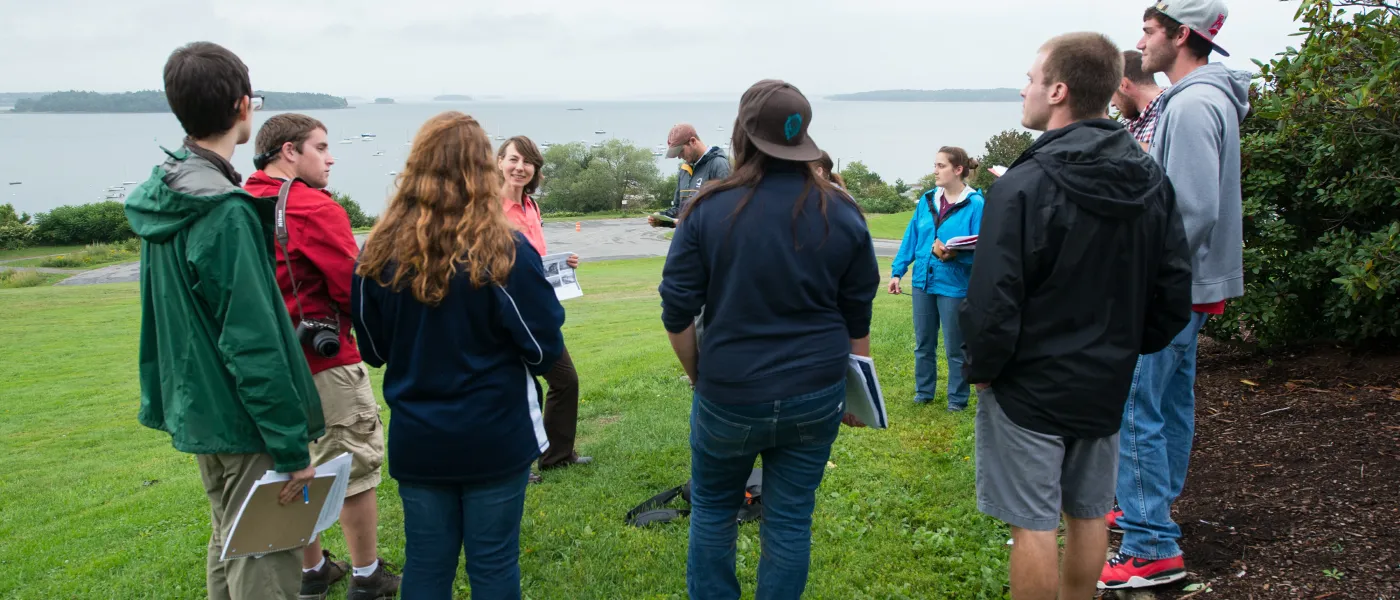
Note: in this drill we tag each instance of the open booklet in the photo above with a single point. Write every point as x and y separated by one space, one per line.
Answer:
962 242
863 396
664 218
563 278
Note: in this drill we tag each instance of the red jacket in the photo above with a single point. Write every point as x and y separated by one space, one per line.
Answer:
323 251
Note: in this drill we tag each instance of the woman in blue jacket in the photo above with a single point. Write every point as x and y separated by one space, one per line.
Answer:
940 275
456 304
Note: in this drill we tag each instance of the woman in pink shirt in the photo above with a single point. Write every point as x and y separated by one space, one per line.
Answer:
520 162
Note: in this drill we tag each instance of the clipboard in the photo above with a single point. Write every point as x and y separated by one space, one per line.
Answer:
262 525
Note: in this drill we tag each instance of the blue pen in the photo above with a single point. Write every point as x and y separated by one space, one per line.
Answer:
305 495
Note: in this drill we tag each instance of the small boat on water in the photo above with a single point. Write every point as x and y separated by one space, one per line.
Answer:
16 183
393 173
116 188
574 109
367 135
658 153
347 141
500 138
115 196
379 153
600 132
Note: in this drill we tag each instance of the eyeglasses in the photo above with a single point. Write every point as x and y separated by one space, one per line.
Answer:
256 102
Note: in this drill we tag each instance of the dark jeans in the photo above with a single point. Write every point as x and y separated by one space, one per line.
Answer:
440 522
794 436
560 412
931 313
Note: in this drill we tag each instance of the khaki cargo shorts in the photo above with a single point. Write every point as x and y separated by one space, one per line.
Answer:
352 425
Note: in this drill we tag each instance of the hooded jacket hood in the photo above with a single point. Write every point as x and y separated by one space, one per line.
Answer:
713 153
177 194
1234 84
1100 167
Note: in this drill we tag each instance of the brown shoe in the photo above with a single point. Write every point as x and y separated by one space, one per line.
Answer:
379 585
316 584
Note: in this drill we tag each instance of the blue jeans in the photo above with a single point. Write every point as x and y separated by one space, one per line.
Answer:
440 522
794 436
1159 422
930 313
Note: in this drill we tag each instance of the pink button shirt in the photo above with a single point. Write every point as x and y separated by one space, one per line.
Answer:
525 216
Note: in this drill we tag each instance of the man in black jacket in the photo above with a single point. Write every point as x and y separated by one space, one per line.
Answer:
1082 267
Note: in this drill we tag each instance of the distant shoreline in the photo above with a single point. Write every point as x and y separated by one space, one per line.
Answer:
971 95
10 111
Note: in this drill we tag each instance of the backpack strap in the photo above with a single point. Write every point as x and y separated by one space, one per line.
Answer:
653 511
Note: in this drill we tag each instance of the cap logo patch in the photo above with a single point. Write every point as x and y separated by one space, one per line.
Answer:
793 126
1215 28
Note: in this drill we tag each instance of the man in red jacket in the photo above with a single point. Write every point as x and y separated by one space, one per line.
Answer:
314 266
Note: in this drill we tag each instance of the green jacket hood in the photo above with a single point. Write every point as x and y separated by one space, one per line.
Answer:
179 191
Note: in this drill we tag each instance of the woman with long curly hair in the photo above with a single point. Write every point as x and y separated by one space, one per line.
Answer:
456 304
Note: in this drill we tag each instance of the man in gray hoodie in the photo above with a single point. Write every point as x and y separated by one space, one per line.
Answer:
1197 142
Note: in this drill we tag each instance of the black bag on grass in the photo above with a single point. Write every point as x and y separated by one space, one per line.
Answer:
654 510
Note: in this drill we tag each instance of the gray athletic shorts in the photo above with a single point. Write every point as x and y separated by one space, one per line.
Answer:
1026 479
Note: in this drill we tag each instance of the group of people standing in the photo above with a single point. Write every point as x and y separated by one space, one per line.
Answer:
1100 255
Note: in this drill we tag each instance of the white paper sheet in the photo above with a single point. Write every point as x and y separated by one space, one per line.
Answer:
564 279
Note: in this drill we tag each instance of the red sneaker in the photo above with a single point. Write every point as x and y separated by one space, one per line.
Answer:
1124 572
1112 519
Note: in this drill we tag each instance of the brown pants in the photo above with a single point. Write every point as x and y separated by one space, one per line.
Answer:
560 412
275 576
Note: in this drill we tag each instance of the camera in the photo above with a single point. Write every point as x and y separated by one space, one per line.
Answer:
321 335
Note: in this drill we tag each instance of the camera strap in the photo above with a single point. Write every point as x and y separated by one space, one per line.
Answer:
279 225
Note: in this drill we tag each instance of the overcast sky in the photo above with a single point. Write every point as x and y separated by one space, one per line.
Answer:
578 49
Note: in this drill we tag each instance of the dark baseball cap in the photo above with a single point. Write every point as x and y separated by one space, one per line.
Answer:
775 115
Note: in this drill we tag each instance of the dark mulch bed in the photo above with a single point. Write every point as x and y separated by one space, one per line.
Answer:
1294 487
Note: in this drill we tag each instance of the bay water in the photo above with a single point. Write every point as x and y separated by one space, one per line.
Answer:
63 159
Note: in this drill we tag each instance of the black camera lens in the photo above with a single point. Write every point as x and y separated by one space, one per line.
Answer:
326 343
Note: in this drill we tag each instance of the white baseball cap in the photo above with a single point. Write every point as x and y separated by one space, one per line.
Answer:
1205 17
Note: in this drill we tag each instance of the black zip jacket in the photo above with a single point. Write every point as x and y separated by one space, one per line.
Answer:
1081 266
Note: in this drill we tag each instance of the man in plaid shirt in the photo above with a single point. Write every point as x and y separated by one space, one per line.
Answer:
1137 99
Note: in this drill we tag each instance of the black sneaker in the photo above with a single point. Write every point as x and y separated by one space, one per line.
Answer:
379 585
316 584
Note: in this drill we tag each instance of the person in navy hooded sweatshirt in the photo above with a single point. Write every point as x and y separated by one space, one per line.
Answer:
456 304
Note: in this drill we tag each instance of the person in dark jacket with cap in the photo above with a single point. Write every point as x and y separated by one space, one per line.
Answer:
1081 266
699 165
783 263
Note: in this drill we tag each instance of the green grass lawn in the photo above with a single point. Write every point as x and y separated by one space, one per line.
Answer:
93 505
888 227
36 251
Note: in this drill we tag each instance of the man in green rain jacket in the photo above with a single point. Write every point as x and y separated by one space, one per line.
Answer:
220 366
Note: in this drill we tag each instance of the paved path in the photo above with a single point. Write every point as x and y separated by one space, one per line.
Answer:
613 239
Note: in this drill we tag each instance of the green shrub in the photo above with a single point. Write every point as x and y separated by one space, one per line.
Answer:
98 222
581 179
1321 177
881 200
872 194
21 279
96 254
15 237
358 218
